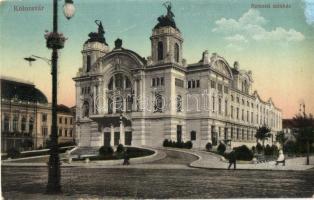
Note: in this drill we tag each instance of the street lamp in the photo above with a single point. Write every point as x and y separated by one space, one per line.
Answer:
55 41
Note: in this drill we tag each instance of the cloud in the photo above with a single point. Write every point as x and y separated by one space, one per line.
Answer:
250 26
236 38
309 11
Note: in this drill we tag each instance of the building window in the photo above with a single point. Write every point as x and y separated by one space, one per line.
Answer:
226 134
237 113
219 87
176 52
31 125
193 135
15 123
157 81
162 82
160 51
66 132
179 103
44 117
197 83
242 115
44 131
231 132
88 63
247 116
232 98
212 84
213 103
66 120
23 125
232 112
219 106
71 133
71 121
226 108
226 89
242 134
85 109
189 84
158 103
60 132
251 117
193 83
119 104
60 120
238 137
6 123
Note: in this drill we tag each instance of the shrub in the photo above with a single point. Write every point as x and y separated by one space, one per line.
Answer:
267 151
209 146
13 153
166 143
243 153
188 145
253 149
290 147
221 148
105 150
259 147
120 148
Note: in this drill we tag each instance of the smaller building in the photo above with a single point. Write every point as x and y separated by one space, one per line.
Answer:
65 124
26 117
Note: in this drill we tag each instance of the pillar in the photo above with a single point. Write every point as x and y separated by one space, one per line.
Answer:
122 134
111 135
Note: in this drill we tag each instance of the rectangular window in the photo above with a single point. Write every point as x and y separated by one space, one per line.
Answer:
153 82
213 104
237 113
193 84
162 82
242 116
60 132
247 116
157 81
197 83
232 112
226 89
226 108
193 135
60 120
251 117
44 117
66 120
212 84
66 133
219 87
189 84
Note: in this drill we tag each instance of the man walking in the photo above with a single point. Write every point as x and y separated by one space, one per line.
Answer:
232 159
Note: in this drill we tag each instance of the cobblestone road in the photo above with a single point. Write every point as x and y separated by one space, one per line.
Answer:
29 182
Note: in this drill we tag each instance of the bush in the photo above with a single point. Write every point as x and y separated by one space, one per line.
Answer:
166 143
221 148
188 145
268 151
243 153
209 146
105 150
253 149
259 148
13 153
120 148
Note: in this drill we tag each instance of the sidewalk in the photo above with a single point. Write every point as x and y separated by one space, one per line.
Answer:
210 160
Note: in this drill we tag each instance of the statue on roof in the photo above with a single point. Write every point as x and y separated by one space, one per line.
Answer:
97 36
168 19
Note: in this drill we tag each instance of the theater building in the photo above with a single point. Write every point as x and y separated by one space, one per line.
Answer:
124 98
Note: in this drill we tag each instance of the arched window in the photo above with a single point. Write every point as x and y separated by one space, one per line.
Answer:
31 125
88 63
6 123
160 50
176 52
119 104
23 126
179 103
85 109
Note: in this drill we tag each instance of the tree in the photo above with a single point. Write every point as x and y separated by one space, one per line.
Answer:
304 132
280 137
263 133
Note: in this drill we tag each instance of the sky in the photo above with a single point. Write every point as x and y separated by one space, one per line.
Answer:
276 44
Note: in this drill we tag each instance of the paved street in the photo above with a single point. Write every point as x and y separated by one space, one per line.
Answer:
181 182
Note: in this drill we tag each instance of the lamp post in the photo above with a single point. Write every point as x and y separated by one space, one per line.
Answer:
55 41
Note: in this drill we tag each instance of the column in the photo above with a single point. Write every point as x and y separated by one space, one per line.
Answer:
122 134
111 135
134 106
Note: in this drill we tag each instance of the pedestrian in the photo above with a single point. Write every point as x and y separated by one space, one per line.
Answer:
281 158
126 157
232 159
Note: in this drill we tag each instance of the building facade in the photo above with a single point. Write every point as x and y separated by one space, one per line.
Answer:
123 98
26 116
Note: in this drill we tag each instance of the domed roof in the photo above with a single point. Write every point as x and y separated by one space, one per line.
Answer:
22 91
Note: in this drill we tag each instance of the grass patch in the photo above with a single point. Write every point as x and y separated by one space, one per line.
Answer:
133 152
